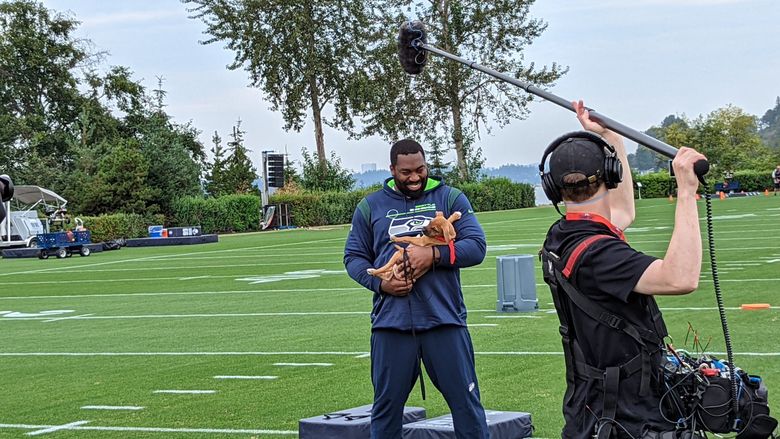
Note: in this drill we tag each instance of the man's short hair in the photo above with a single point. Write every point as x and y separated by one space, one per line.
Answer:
405 146
578 193
577 167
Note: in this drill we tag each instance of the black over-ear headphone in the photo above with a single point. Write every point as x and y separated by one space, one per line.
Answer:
613 169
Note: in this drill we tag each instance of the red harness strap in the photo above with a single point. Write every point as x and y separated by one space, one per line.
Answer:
451 245
586 216
575 255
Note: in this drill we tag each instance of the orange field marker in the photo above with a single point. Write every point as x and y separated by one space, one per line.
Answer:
754 306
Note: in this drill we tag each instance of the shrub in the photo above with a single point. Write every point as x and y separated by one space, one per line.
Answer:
498 194
322 208
655 185
229 213
658 184
120 225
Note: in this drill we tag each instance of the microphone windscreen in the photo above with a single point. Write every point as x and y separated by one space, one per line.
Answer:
412 58
6 188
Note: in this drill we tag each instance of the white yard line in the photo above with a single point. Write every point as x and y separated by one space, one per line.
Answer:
75 268
187 293
186 392
245 377
158 429
304 364
248 353
112 407
196 293
54 428
322 313
67 318
513 317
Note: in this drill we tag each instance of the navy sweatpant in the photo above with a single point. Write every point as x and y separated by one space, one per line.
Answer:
448 355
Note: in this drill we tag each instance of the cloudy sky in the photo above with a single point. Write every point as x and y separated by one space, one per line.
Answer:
635 61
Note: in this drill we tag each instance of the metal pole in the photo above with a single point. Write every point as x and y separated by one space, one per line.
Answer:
630 133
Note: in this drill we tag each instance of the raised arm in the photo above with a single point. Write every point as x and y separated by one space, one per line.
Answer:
678 272
621 202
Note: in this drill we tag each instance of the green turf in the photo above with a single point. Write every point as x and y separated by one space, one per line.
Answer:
202 300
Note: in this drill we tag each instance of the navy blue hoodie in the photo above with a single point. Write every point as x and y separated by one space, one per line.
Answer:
437 298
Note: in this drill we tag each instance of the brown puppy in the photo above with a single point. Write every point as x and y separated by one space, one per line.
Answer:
439 231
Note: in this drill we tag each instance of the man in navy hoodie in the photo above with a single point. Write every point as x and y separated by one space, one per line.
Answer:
423 320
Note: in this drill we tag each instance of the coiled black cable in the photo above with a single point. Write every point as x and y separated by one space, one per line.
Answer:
721 308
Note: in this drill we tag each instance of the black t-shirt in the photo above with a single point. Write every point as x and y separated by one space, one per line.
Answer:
607 272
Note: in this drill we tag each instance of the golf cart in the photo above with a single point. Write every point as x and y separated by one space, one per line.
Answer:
22 225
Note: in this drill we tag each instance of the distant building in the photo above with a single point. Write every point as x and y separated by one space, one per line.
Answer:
368 167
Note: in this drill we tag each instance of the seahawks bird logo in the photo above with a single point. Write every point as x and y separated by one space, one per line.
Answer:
408 225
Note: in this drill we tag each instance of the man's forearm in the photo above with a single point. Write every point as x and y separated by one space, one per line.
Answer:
622 204
683 257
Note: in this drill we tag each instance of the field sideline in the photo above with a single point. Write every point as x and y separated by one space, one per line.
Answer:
245 337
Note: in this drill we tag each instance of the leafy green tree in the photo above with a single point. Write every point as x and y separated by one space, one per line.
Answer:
769 126
239 172
727 136
331 177
117 181
449 101
301 53
39 96
645 159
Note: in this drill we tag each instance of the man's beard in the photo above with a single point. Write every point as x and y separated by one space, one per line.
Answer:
411 194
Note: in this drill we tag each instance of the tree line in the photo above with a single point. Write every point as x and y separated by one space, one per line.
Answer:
731 139
106 142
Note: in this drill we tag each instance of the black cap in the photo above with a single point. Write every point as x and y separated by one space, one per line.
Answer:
577 155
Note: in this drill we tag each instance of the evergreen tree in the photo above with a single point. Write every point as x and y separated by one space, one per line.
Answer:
215 171
239 172
437 164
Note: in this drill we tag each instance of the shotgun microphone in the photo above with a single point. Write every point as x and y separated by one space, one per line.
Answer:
6 188
411 36
6 193
412 50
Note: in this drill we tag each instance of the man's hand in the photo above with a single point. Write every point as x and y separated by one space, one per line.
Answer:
419 259
584 117
396 286
595 126
687 181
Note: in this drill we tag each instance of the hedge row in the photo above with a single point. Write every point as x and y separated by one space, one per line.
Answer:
499 194
323 208
241 213
226 214
658 184
120 225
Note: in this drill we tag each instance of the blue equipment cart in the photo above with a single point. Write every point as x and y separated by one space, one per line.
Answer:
64 244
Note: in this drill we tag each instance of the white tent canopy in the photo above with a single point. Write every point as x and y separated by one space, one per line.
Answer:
35 194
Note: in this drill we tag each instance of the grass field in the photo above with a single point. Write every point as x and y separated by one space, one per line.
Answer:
116 328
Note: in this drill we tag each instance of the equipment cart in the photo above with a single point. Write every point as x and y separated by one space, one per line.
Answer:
64 244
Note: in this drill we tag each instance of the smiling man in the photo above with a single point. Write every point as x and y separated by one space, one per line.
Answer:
421 317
